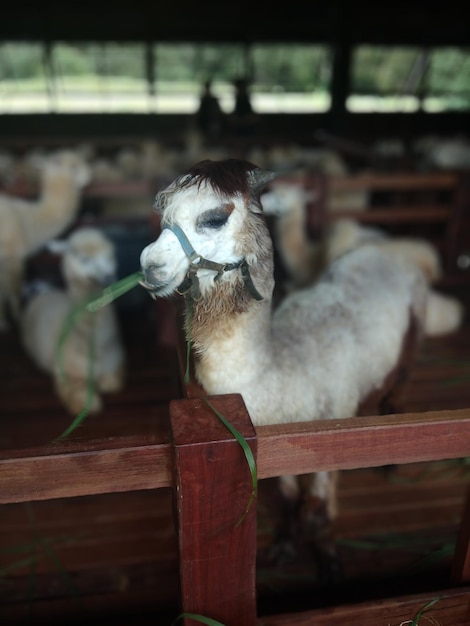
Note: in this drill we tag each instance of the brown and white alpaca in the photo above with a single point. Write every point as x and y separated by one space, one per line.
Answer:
27 225
92 359
305 259
322 352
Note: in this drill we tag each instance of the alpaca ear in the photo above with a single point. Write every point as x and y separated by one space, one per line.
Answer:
258 179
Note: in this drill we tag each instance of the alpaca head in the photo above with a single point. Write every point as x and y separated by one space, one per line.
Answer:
285 198
67 164
216 206
88 260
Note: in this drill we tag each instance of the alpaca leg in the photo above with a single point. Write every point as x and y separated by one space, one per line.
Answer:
284 548
14 282
3 312
3 297
309 504
10 288
77 395
395 387
317 510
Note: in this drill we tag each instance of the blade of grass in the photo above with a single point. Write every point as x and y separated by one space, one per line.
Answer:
238 436
188 356
91 305
29 549
90 389
67 327
248 454
31 586
116 290
425 609
251 464
4 571
436 555
66 578
198 618
49 550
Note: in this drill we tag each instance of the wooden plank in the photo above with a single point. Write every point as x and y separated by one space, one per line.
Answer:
395 214
97 467
217 539
116 189
393 182
461 564
357 442
68 474
122 189
452 608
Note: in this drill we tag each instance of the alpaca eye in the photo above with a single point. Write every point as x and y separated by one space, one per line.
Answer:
213 219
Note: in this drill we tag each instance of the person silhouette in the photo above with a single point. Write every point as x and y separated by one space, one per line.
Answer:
210 118
243 116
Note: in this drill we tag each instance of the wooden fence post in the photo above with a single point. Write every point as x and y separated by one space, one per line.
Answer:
217 537
461 564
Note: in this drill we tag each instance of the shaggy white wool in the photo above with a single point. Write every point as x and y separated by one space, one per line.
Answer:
304 259
93 343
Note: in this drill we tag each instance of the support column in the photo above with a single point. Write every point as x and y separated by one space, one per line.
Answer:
217 537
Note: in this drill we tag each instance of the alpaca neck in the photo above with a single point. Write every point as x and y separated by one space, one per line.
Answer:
228 328
300 255
54 211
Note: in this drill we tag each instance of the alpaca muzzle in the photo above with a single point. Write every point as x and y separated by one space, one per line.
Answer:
190 285
150 281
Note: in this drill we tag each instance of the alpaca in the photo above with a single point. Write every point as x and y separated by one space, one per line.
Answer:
444 313
322 352
88 264
305 259
27 225
287 202
443 153
345 234
300 255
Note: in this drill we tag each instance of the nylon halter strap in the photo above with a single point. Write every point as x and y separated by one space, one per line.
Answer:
190 285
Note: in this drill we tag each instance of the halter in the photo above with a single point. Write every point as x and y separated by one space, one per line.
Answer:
190 285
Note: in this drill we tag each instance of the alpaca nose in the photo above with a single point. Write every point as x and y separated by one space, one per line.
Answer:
151 276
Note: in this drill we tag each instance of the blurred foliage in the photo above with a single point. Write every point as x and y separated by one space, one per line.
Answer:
416 71
276 68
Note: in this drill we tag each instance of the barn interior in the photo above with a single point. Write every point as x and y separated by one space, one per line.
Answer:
84 542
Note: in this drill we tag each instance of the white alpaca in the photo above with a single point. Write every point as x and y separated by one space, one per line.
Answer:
444 313
443 153
322 352
305 259
331 163
345 234
27 225
301 256
92 357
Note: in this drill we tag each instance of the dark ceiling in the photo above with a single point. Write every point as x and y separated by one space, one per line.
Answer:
406 22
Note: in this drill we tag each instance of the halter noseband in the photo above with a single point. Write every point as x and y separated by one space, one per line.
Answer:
190 285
